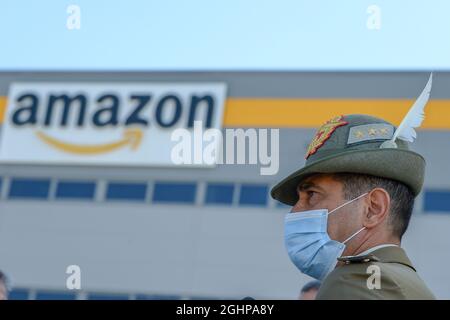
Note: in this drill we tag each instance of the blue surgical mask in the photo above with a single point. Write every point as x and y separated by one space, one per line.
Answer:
308 244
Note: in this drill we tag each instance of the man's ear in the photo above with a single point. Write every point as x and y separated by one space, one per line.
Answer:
378 203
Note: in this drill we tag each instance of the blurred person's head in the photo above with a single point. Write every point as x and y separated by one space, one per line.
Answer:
3 286
309 290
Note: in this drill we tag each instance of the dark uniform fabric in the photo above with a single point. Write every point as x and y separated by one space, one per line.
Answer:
398 278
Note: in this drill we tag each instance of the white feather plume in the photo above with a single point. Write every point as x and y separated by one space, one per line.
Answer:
414 117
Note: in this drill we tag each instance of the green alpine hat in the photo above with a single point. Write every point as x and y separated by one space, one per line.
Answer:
352 143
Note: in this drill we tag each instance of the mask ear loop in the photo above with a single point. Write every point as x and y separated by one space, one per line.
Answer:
357 232
346 203
353 235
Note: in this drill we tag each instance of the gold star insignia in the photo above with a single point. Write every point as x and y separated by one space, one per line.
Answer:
359 134
372 132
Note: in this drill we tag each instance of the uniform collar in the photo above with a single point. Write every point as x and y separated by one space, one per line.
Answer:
392 254
376 248
383 253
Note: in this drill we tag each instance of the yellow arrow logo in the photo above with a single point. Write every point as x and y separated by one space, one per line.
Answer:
132 137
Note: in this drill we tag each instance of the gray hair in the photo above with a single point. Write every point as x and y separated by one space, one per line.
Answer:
402 197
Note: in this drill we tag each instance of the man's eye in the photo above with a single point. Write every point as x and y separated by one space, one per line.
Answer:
311 193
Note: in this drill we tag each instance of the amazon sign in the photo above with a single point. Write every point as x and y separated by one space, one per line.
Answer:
104 123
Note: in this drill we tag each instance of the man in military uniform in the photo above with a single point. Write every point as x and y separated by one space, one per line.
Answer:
352 203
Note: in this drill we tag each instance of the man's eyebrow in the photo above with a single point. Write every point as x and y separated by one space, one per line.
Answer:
308 185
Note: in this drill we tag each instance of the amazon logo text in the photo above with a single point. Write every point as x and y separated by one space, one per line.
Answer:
108 123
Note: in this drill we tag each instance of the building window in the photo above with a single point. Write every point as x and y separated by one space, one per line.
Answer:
75 190
217 193
171 192
18 294
105 296
126 191
29 188
254 195
435 200
54 295
157 297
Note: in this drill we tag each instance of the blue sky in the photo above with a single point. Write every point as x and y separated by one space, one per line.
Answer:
225 35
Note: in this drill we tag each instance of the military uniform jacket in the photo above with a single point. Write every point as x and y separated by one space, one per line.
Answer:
385 273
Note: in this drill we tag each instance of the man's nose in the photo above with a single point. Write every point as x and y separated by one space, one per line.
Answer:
299 206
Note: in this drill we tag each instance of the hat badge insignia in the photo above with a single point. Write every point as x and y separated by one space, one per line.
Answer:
324 133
